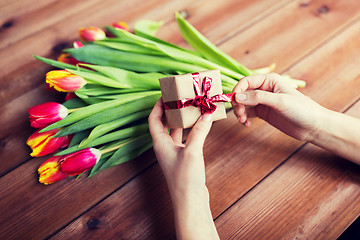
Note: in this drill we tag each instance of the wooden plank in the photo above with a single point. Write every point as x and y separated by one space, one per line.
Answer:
12 9
292 33
223 19
36 211
313 195
235 169
35 21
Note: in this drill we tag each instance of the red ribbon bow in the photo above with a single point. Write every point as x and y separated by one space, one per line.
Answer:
205 102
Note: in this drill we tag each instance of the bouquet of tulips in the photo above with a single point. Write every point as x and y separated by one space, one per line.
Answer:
112 84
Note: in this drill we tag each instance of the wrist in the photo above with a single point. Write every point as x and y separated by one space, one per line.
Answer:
319 124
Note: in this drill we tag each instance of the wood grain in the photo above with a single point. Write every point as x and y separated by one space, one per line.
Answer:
292 32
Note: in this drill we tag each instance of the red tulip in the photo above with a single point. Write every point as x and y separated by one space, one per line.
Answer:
45 143
59 167
49 171
47 113
91 34
79 162
64 81
67 58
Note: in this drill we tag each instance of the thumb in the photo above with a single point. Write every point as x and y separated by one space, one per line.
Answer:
256 97
199 132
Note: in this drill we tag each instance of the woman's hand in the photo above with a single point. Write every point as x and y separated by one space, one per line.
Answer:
184 171
278 103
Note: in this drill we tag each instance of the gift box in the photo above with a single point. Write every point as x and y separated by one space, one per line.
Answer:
186 97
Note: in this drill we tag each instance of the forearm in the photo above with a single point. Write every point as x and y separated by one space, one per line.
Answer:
340 134
193 217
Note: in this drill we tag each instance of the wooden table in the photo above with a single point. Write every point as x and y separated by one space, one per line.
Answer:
263 184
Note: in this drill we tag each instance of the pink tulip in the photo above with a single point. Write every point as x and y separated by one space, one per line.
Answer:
47 113
64 81
91 34
79 162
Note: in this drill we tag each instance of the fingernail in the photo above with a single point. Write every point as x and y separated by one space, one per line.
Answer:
206 117
240 97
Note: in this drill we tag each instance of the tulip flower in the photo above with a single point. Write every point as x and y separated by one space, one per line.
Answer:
67 58
44 114
91 34
45 143
59 167
78 44
79 162
121 25
49 171
64 81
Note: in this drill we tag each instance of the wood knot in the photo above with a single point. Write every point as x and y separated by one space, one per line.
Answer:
92 223
7 24
247 52
184 13
323 9
303 5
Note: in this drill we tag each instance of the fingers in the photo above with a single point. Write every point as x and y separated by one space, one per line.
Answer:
256 97
156 125
199 133
265 82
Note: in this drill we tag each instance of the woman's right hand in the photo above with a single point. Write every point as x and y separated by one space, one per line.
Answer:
277 102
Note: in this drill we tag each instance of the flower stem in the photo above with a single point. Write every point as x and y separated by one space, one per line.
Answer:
74 109
111 149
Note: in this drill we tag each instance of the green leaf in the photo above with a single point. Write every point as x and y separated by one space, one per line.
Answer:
74 103
107 127
132 79
99 79
110 114
121 134
58 64
104 56
176 53
127 151
142 39
128 47
200 43
90 110
97 90
147 26
77 138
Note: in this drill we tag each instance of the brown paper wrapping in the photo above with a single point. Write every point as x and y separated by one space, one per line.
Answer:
181 86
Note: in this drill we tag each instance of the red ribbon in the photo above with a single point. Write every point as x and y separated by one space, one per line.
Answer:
205 102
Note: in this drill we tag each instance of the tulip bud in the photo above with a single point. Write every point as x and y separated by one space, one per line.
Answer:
121 25
91 34
64 81
43 115
79 162
45 143
49 171
77 44
67 58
